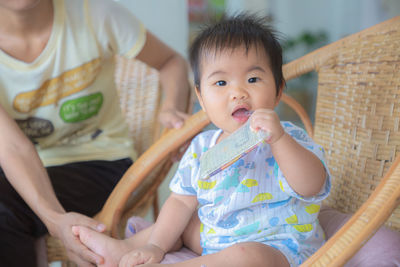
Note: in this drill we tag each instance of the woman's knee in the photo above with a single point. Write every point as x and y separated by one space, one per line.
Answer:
15 215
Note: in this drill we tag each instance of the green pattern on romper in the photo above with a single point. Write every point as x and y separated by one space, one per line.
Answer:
82 108
248 229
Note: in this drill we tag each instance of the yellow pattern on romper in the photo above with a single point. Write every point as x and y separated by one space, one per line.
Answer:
303 227
250 182
281 186
292 219
211 231
312 208
262 197
206 185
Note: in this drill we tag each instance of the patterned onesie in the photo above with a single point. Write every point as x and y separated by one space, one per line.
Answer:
252 201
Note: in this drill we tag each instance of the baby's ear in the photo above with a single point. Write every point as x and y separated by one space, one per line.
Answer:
198 94
279 95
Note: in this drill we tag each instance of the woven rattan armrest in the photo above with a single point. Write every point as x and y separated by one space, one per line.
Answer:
363 224
111 213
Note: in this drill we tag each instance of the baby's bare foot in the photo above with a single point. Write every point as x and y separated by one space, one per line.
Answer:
109 248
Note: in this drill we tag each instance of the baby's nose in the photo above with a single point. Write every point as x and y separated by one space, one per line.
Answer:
239 93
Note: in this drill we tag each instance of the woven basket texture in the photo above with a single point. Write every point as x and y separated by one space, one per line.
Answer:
357 116
138 87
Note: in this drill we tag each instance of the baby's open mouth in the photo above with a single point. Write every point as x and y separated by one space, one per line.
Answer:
241 114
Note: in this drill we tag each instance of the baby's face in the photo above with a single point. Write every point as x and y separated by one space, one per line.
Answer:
233 83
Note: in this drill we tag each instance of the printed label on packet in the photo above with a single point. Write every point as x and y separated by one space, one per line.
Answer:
231 149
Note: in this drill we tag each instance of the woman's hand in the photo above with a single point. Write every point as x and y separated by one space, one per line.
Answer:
172 118
267 120
147 254
61 227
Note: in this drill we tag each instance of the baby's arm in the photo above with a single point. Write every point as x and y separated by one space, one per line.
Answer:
172 221
303 170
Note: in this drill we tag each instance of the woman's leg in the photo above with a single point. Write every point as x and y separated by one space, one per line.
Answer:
18 227
84 187
81 187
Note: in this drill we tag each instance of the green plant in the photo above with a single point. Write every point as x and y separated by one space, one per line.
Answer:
302 88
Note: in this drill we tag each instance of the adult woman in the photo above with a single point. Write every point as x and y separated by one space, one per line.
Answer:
56 82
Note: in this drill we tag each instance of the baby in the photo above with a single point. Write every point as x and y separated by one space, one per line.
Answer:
260 211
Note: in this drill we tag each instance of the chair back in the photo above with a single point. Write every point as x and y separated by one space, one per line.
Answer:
140 97
357 111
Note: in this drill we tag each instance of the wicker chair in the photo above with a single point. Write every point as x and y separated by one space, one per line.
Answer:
140 95
357 122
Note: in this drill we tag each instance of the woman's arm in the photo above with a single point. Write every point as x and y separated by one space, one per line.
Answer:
173 77
24 170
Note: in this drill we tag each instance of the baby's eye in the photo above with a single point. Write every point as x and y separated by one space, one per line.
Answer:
253 80
221 83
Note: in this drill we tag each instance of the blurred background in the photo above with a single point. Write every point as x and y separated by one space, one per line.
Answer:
304 26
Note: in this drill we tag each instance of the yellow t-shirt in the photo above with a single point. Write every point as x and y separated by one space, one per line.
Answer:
66 100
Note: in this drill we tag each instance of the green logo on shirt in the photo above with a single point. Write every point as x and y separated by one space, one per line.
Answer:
82 108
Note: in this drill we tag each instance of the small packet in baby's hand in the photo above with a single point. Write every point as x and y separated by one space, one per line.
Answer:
231 149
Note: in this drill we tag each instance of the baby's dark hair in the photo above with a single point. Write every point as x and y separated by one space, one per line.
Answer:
244 29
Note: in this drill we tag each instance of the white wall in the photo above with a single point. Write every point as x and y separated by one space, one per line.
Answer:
338 18
167 19
234 6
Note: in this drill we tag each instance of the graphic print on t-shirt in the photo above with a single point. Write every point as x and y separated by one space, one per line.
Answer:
81 108
35 127
51 91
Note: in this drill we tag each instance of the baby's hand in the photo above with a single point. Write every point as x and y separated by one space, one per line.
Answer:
172 118
267 120
147 254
